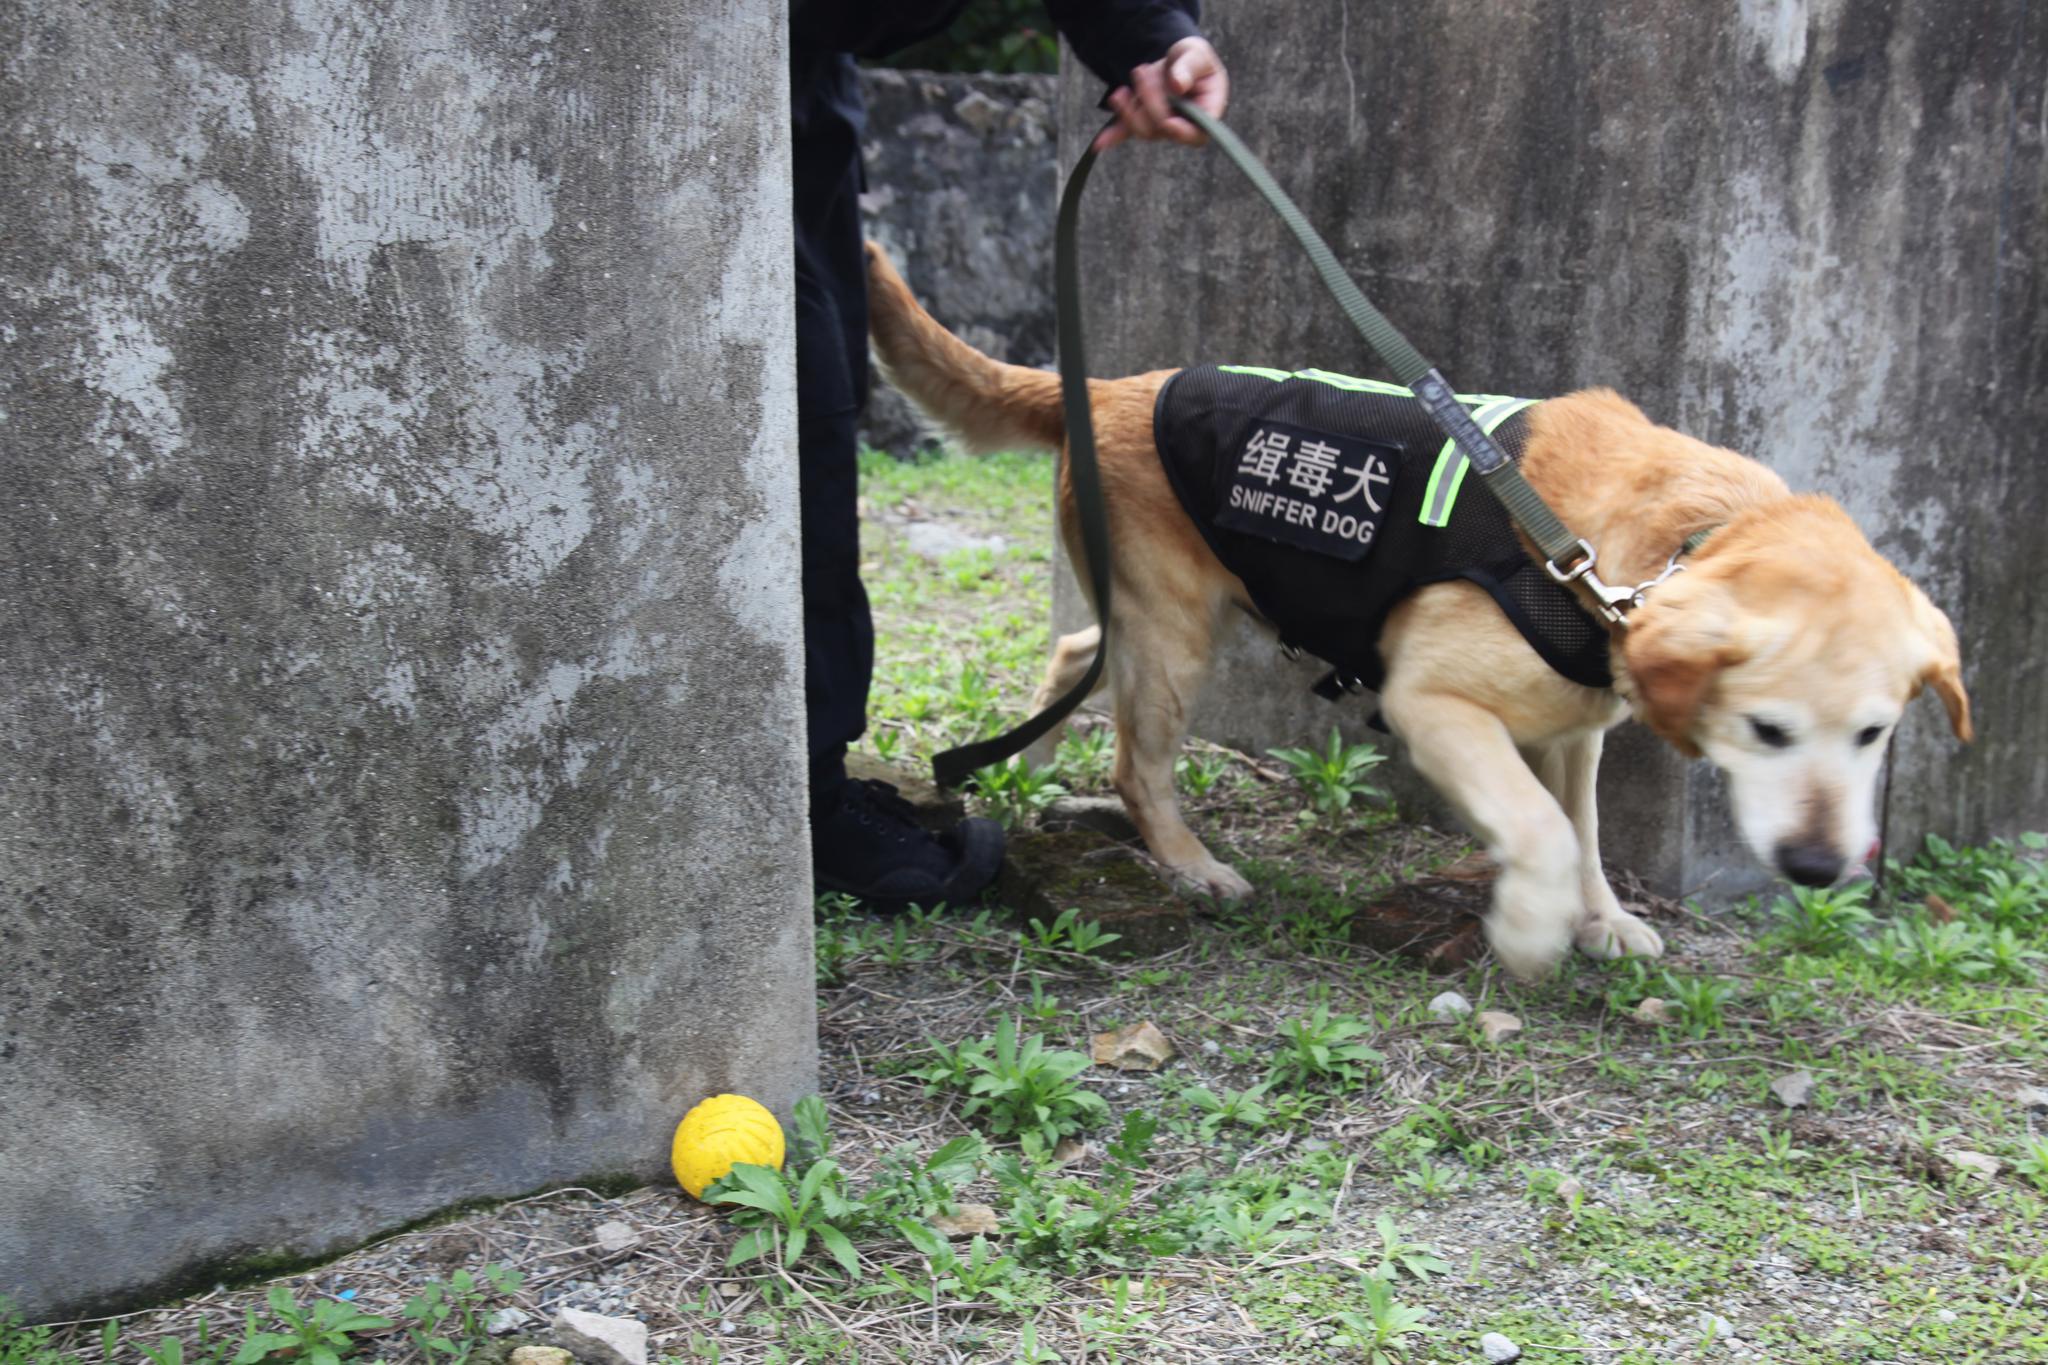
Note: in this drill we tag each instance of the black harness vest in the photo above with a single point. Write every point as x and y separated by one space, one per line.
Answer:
1333 498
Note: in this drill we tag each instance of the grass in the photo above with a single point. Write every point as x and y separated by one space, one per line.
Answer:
1322 1173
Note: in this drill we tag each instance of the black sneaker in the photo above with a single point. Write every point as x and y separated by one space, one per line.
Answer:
869 845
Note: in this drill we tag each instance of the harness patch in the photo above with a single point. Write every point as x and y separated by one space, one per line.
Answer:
1316 490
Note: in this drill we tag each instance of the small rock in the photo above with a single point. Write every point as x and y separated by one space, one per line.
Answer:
1498 1024
1069 1150
506 1321
1103 814
1211 1047
600 1340
1653 1011
1448 1007
1498 1349
614 1237
978 112
1973 1163
1136 1047
968 1220
1570 1188
1714 1327
1792 1090
1944 1315
2031 1097
540 1355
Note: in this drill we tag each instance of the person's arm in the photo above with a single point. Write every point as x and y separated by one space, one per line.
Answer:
1111 37
1145 50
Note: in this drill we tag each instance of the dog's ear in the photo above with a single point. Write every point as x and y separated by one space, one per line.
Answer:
1944 668
1676 645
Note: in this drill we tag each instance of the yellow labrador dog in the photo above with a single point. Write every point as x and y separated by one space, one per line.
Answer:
1785 652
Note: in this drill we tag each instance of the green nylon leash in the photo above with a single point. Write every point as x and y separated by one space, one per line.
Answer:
1499 473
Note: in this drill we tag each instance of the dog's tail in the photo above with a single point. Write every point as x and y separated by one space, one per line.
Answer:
985 403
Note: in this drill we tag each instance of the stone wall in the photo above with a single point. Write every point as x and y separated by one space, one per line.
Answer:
1813 230
401 690
962 183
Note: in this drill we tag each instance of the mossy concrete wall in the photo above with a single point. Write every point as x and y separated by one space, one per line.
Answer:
402 799
1812 230
962 180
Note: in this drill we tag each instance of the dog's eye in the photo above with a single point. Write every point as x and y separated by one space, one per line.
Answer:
1775 736
1869 735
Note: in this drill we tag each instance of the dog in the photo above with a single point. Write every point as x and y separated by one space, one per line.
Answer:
1785 652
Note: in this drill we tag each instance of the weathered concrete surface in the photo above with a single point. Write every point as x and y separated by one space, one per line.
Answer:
402 794
1815 232
962 184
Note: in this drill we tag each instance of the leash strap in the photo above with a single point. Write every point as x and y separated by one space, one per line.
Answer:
1569 558
955 766
1500 474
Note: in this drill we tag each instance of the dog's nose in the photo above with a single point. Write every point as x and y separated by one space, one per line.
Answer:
1810 864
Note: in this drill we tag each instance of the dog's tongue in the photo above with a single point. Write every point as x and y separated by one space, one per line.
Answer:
1862 869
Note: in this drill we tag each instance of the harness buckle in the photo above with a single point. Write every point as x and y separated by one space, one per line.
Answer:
1610 603
1578 570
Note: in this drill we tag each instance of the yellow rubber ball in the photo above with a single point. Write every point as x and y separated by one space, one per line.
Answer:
723 1132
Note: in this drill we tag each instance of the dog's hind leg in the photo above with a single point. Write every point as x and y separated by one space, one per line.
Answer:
1071 656
1159 656
1467 754
1570 768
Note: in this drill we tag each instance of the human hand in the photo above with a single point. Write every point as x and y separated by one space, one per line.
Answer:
1190 69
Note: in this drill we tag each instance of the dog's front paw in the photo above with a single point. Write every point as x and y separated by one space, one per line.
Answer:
1529 926
1217 881
1530 950
1619 934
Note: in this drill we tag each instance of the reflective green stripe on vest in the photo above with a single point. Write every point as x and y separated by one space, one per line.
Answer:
1351 382
1451 465
1449 474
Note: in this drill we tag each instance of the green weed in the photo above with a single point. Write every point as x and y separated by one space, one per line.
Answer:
1069 933
1245 1108
1335 777
1014 792
1319 1050
1919 949
2032 1161
981 1274
1700 1002
784 1219
1380 1331
1198 774
1084 756
1821 921
1017 1089
323 1335
445 1320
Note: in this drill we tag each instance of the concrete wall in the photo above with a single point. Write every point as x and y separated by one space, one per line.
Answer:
1814 231
402 796
962 183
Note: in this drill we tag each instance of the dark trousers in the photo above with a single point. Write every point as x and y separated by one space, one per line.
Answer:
827 121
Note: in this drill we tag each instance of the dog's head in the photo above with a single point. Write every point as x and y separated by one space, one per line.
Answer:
1786 654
